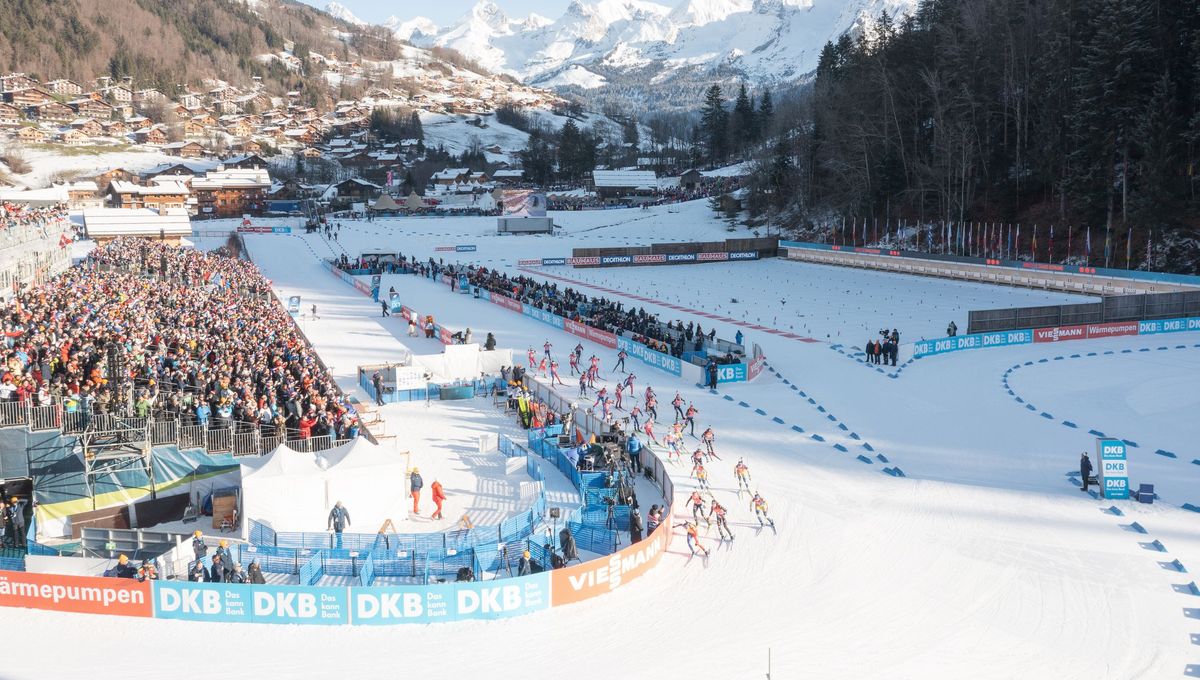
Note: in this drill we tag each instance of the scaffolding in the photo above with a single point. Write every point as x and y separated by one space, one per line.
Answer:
110 444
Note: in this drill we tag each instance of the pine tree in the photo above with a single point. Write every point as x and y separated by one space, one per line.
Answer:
766 114
416 130
714 125
745 126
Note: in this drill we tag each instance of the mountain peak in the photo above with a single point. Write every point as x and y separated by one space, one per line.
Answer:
339 11
489 13
702 12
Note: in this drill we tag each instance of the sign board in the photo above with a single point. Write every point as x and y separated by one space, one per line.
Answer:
79 594
1112 468
256 604
294 305
451 602
524 203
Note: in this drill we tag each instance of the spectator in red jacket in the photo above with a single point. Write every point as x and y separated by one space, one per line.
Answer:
306 425
438 496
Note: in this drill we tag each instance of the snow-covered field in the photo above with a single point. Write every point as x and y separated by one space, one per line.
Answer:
982 562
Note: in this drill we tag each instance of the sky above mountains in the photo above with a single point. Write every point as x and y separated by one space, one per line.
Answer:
443 12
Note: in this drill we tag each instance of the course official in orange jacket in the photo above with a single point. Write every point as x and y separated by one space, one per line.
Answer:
438 497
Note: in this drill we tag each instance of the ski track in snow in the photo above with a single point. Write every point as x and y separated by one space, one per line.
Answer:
982 561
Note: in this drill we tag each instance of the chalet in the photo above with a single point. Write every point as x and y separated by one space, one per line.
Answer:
118 93
82 195
72 137
114 128
248 146
9 114
65 87
311 152
191 149
116 174
616 184
137 122
148 95
305 135
31 135
16 81
355 190
690 179
191 100
245 162
183 172
230 193
26 97
240 128
193 129
508 177
151 135
160 195
53 111
451 176
88 127
94 108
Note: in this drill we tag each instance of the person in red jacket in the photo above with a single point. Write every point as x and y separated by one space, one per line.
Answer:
306 426
438 496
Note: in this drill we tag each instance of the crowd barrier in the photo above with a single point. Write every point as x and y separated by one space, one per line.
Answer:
924 348
365 603
1132 276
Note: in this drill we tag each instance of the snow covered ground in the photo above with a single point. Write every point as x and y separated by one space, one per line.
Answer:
984 561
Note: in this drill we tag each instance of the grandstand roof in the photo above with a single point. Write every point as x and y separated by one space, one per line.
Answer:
112 222
625 179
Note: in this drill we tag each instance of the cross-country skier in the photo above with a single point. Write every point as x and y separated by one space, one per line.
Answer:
693 538
532 359
707 437
717 510
554 373
697 460
594 369
742 473
690 418
697 502
578 351
636 414
760 510
546 346
652 407
574 359
582 385
629 383
618 396
677 402
607 406
542 367
648 428
620 361
702 476
600 396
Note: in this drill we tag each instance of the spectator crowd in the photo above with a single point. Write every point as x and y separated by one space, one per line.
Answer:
190 335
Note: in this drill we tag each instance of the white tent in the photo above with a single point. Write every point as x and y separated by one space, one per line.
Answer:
292 491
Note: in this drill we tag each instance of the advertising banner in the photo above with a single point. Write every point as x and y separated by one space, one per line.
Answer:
745 255
553 261
506 302
377 606
443 249
757 364
681 257
649 259
727 373
597 577
528 262
245 603
663 362
444 335
1113 472
974 341
596 335
583 260
1060 333
464 249
78 594
1112 329
294 305
712 257
616 259
1168 326
543 316
1090 331
394 305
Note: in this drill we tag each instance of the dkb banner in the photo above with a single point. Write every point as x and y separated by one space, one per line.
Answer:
450 602
250 604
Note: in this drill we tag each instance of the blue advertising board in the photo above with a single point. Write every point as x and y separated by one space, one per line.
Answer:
663 362
1168 326
464 249
616 259
744 255
957 343
379 606
681 257
553 261
727 373
1113 473
394 302
250 604
542 315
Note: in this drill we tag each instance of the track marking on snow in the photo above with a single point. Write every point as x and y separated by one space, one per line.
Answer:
640 298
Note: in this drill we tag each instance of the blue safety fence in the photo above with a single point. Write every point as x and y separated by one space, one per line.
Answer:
12 559
311 571
261 534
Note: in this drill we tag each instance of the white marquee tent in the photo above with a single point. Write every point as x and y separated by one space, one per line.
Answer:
292 491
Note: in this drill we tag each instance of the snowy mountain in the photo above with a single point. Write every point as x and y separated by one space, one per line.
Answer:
643 45
339 11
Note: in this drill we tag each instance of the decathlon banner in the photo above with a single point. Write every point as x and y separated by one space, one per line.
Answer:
250 603
379 606
663 362
975 341
1113 473
78 594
